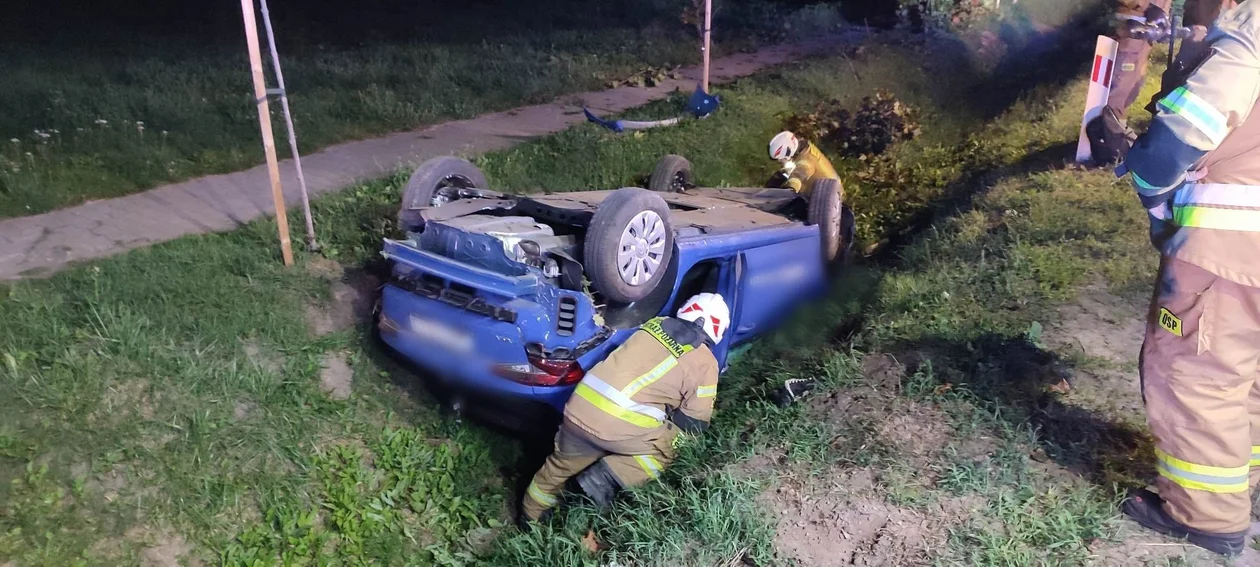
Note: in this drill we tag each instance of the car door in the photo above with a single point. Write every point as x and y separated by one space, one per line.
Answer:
773 280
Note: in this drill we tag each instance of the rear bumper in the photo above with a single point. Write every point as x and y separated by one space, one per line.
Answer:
466 376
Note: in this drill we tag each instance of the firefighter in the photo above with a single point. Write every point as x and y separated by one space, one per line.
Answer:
1133 55
803 163
1197 170
1109 134
629 411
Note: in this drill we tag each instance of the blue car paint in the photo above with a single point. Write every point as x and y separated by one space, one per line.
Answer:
765 273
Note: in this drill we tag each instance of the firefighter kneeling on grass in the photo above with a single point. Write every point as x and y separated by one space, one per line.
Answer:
630 410
1197 170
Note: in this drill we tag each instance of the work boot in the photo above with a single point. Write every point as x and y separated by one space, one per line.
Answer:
525 524
599 483
1147 508
791 391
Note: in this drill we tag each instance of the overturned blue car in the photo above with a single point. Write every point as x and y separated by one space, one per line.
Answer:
504 301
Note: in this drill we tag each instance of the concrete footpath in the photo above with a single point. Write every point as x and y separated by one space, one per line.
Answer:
42 244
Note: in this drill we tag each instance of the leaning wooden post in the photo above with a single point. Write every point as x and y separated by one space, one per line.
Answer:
264 123
708 25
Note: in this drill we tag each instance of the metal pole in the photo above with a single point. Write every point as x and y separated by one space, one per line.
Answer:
1172 40
264 123
708 25
288 122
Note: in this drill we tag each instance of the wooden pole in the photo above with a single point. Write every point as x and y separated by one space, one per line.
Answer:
311 244
708 25
264 123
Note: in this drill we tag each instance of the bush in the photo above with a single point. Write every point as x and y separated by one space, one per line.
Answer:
878 123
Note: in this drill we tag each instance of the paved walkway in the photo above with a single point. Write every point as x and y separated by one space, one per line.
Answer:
42 244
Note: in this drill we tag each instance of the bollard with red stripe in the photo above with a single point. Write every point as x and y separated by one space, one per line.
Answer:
1099 89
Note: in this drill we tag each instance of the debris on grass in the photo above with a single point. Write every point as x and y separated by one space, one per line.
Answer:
878 123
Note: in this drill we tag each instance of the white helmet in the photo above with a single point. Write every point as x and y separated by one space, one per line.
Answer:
710 310
783 146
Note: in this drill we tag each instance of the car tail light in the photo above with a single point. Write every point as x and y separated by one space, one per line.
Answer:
542 372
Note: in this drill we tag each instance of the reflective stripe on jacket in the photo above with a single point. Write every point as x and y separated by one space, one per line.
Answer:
811 165
664 367
1210 125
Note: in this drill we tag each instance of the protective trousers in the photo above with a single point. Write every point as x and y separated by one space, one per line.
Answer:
1201 384
576 450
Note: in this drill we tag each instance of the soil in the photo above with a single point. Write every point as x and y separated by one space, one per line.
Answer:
244 409
840 519
1107 329
336 377
166 553
160 548
352 296
263 358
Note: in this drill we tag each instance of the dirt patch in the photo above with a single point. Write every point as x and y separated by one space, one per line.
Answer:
883 371
166 554
124 399
352 299
1099 325
336 377
1108 329
108 485
849 524
912 430
244 409
263 358
324 268
916 429
160 548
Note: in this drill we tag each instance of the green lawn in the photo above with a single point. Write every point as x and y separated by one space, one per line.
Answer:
168 401
98 117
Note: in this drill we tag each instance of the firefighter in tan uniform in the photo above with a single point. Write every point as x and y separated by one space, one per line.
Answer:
803 163
1197 170
629 410
1143 23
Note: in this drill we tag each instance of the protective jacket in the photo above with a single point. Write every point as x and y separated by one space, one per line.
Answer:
1197 169
811 165
624 417
665 373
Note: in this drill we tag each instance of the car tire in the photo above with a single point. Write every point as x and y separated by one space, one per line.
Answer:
629 244
425 187
826 211
673 174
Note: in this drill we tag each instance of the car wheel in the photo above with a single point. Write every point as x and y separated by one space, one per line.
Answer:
673 174
629 244
826 212
435 183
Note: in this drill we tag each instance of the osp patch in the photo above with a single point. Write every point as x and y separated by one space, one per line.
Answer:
1170 322
1128 67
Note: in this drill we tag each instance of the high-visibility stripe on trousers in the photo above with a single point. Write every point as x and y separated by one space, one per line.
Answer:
575 451
1200 366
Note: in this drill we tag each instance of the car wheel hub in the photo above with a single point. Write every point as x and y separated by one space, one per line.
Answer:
641 249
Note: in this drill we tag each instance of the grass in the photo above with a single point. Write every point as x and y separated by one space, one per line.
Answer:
97 117
173 392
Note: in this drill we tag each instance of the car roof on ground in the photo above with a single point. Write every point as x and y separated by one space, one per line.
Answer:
708 209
